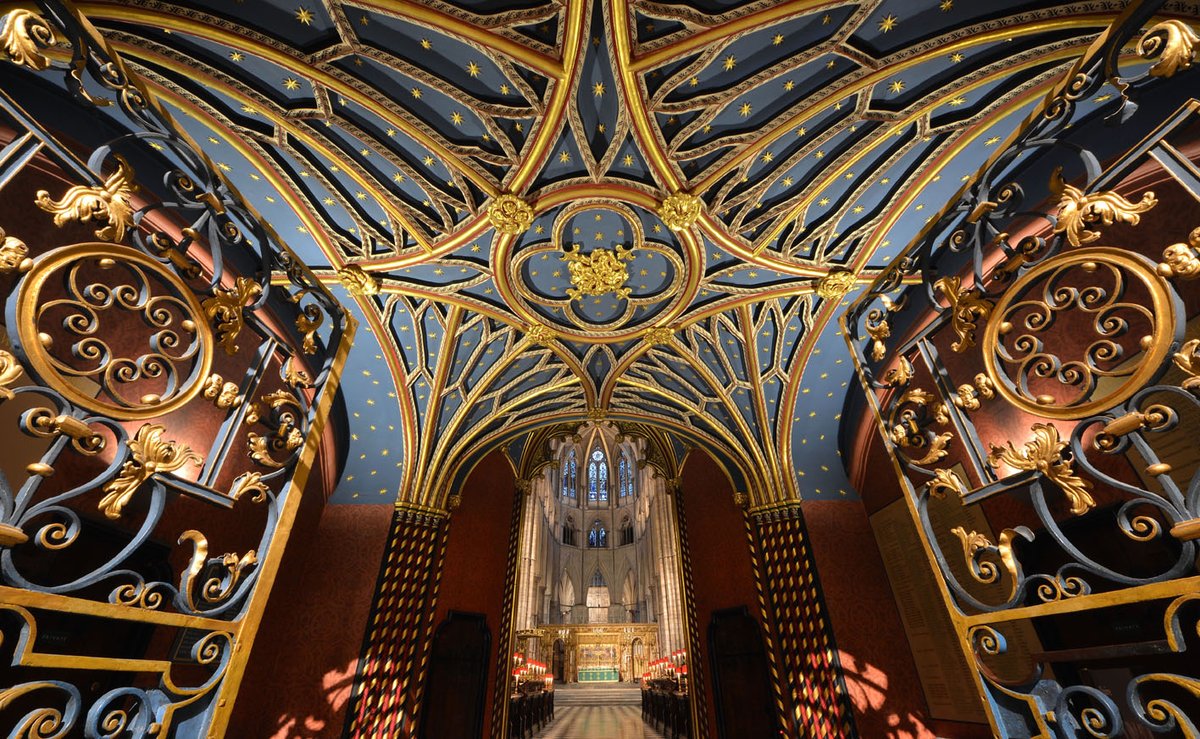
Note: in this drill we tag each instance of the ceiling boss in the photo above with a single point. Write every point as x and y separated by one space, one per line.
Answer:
598 273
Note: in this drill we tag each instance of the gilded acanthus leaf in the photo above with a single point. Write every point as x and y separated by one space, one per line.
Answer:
944 481
222 394
249 482
599 272
540 334
900 375
1045 455
309 320
149 455
510 214
110 202
967 310
22 37
1188 360
225 310
1173 42
937 449
679 210
358 281
1078 210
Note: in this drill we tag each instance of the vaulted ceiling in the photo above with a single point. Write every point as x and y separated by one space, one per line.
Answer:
395 145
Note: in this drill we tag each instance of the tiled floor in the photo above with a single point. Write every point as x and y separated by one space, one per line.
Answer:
598 722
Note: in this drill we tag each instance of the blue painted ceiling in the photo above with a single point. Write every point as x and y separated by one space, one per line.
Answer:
817 135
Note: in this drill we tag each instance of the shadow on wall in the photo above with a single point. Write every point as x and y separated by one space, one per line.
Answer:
325 704
875 712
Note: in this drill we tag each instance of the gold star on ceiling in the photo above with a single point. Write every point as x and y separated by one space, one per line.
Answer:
777 40
946 5
896 86
564 157
628 160
745 110
291 83
473 69
956 57
425 44
957 101
416 92
788 85
729 63
456 118
598 89
887 23
237 56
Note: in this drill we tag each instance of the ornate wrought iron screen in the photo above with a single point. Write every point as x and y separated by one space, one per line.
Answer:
166 373
1033 364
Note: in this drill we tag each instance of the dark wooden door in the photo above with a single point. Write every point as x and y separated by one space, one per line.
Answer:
741 676
458 665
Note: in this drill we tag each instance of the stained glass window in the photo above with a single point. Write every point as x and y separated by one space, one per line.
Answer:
568 475
598 536
598 478
625 476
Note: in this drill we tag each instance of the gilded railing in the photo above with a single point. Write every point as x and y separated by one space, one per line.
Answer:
162 402
1032 361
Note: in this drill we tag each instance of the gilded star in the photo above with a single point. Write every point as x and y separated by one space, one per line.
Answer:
946 5
564 157
787 181
598 89
628 160
887 23
896 86
957 101
504 89
693 82
291 83
729 63
745 109
237 56
992 141
428 161
456 118
304 15
789 85
819 154
956 57
425 44
416 92
823 202
858 209
767 157
473 69
777 40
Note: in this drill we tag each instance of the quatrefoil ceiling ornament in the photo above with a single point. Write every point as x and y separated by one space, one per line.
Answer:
603 269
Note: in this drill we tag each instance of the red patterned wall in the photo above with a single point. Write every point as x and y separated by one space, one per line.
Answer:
297 681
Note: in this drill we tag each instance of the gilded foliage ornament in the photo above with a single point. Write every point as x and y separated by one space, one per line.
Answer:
23 36
225 310
14 254
222 394
1173 42
10 370
968 395
230 569
658 335
357 281
599 272
1188 360
900 375
967 308
945 481
540 334
879 328
1044 454
835 284
149 455
1182 260
679 210
1078 210
110 202
509 214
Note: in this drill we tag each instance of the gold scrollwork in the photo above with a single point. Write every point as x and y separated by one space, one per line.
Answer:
900 375
510 215
73 292
285 437
1022 354
224 309
1173 42
878 328
357 281
14 254
967 309
23 36
10 370
1045 455
835 284
222 394
309 320
1078 210
45 423
986 571
110 202
220 586
1182 260
149 455
249 482
599 272
679 210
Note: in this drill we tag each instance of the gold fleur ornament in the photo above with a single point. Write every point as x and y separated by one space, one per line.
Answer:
1044 454
510 215
1173 42
679 211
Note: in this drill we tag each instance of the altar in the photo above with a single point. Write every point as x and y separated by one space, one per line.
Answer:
599 675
